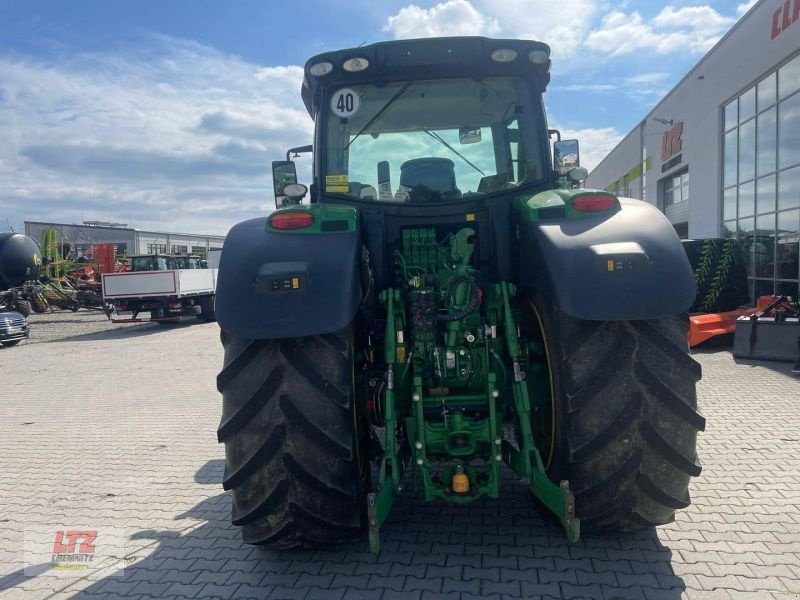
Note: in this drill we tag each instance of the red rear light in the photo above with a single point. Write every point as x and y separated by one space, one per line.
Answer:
594 203
292 220
174 305
121 307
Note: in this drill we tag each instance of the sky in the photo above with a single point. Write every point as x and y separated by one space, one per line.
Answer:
166 114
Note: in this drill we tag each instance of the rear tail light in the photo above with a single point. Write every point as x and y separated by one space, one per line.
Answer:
595 203
291 220
174 305
121 307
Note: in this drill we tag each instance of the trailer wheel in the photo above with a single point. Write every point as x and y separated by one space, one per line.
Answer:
622 415
292 440
207 311
39 303
23 307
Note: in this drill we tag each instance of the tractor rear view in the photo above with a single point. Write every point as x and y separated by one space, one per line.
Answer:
446 303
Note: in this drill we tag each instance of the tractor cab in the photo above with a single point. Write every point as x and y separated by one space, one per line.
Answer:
441 133
148 262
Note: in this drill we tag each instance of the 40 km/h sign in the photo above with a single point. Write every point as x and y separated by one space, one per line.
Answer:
345 102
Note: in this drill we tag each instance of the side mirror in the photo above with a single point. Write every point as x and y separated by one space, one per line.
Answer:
469 135
284 173
566 156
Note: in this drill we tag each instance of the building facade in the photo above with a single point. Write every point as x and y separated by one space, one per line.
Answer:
720 153
128 241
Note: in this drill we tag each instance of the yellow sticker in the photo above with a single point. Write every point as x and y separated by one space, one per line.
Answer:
610 265
470 216
336 183
295 283
36 260
401 354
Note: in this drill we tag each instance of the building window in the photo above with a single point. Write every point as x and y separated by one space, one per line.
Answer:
156 248
676 188
180 249
761 179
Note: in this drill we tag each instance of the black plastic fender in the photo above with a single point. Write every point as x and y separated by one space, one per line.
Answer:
279 285
628 264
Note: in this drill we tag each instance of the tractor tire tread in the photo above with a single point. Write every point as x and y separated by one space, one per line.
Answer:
629 417
290 440
23 307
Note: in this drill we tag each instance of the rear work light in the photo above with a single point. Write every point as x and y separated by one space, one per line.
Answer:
321 68
504 55
538 57
292 220
594 203
354 65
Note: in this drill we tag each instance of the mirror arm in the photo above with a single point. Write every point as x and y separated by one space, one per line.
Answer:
298 151
556 132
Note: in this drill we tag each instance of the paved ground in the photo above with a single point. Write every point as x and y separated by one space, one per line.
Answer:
118 430
60 324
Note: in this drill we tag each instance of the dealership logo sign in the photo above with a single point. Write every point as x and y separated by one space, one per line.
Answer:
784 17
85 552
671 145
73 549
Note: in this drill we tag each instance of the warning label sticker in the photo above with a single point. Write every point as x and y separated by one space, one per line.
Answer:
336 184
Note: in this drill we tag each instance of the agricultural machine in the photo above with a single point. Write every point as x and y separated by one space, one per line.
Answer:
20 261
445 306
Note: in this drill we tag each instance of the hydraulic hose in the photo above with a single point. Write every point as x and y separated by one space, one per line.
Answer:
472 304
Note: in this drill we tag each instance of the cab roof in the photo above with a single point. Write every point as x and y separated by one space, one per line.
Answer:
428 58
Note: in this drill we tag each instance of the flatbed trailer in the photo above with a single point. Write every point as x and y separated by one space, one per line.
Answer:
168 295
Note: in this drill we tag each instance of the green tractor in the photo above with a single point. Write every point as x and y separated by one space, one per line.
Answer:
481 313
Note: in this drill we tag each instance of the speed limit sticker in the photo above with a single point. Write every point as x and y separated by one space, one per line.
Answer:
345 102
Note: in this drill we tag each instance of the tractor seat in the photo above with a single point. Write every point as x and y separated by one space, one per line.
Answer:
429 179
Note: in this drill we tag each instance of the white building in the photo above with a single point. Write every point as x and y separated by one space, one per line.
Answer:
720 153
129 241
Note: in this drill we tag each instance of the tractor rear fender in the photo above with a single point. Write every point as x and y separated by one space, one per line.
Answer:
627 263
290 283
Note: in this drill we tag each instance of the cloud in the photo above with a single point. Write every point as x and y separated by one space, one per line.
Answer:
562 24
690 28
596 143
744 7
570 26
454 17
180 128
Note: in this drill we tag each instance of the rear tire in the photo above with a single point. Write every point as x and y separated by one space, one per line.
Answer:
207 311
291 440
626 417
23 307
39 303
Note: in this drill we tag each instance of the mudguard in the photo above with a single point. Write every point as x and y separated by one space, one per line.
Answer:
626 264
279 284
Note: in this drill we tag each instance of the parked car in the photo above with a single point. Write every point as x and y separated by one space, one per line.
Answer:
13 328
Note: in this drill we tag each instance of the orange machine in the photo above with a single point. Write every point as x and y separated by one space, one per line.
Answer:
703 326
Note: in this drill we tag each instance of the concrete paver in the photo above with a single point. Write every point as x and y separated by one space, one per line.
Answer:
118 429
